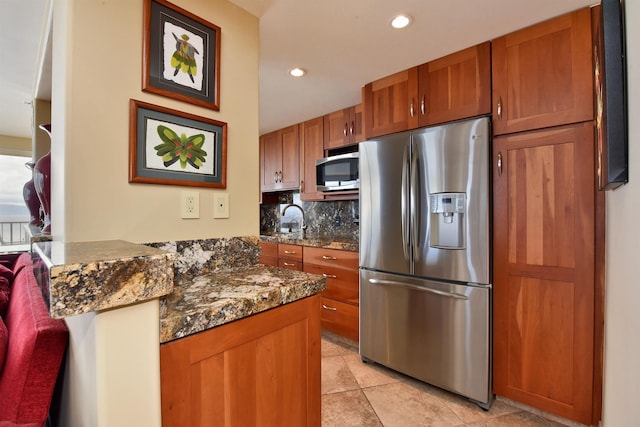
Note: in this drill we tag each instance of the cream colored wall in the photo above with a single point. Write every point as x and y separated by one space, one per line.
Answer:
112 376
622 316
103 73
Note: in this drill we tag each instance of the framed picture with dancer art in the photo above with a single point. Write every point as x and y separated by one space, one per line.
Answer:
181 55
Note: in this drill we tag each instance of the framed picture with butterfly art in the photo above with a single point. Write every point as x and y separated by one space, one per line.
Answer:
175 148
181 55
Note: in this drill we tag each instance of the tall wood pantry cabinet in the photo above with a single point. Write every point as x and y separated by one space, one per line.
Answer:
545 219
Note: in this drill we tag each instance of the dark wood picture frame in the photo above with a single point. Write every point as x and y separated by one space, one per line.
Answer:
171 147
181 55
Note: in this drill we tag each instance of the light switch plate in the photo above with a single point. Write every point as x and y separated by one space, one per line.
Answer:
221 205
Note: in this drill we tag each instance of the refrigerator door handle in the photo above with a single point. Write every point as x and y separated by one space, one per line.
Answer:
414 208
418 288
406 220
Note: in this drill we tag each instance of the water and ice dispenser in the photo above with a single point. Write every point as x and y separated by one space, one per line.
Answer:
447 220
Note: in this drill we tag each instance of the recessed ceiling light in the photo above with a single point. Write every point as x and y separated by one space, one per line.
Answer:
400 21
297 72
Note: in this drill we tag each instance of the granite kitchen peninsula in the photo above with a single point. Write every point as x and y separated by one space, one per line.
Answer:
240 340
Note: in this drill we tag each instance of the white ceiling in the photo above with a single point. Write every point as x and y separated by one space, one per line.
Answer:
343 44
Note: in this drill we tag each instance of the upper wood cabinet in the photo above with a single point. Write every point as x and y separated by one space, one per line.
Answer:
280 160
454 87
343 127
542 75
544 268
311 144
388 104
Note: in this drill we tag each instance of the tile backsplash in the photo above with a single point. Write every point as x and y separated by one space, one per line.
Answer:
334 218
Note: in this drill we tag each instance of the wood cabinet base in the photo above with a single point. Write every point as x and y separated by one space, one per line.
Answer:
261 370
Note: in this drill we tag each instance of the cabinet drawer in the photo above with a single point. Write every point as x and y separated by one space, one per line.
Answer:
290 252
331 258
290 264
269 249
340 318
268 260
342 284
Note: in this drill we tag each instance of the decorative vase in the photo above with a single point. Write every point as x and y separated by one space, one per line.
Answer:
42 181
31 199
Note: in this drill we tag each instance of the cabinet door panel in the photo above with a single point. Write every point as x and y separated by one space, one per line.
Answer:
544 261
261 370
456 86
311 144
542 75
387 103
290 158
270 160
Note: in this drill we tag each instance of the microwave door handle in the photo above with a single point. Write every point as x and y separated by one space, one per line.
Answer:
405 211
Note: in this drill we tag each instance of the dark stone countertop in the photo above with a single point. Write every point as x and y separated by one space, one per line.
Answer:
202 302
313 240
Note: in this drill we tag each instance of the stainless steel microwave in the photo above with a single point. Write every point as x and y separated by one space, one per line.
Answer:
337 173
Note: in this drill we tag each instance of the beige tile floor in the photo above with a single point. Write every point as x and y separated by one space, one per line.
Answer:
363 394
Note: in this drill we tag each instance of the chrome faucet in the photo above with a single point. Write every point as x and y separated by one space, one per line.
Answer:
303 226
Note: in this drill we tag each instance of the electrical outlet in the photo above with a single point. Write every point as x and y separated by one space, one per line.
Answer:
221 205
190 204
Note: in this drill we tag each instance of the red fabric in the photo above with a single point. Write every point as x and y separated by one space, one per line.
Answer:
22 261
5 290
36 347
4 342
6 273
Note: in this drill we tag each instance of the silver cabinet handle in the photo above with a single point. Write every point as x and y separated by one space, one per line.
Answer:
326 307
499 164
329 276
328 258
411 108
287 264
422 105
344 129
418 288
289 252
275 176
500 107
351 128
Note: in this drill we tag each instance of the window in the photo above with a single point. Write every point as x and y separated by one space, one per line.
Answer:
13 210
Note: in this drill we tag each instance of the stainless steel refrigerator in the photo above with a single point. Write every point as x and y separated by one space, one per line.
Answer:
425 277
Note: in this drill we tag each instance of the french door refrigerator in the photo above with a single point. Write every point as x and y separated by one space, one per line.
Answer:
425 279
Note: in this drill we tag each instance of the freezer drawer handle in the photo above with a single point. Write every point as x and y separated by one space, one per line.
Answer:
418 288
326 307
